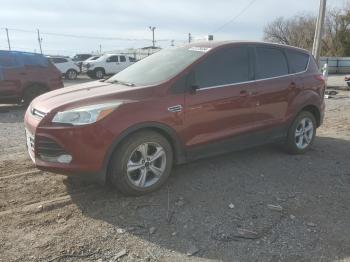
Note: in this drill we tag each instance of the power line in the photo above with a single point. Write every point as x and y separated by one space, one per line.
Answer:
235 17
86 36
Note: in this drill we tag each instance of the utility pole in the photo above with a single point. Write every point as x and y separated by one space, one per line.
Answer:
40 40
316 49
100 49
152 28
189 37
8 38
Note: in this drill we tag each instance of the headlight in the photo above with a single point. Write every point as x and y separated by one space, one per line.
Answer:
85 115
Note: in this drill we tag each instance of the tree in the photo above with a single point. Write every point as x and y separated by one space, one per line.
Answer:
299 31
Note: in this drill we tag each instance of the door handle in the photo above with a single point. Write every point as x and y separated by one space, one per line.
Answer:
243 93
292 85
246 93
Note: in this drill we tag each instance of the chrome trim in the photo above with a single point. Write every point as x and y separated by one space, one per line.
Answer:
37 113
174 109
259 80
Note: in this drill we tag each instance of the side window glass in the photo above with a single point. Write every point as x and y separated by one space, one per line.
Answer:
271 62
226 66
8 61
122 59
298 61
29 59
132 59
112 59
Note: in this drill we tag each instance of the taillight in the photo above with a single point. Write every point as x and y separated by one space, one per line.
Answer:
320 77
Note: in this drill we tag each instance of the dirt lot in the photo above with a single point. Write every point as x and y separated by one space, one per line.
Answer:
213 209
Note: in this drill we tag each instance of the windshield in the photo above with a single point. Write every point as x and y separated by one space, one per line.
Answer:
158 67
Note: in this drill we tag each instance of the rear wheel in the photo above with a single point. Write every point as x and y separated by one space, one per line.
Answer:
99 73
301 134
71 74
141 164
32 92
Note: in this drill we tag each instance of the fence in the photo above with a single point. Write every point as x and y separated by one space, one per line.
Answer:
336 65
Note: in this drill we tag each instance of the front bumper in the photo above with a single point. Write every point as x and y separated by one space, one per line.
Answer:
86 145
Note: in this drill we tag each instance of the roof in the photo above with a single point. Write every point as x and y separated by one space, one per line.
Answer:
214 44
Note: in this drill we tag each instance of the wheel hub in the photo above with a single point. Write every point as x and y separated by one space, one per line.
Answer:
146 165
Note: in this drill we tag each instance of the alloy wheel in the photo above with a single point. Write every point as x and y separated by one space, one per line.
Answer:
146 165
304 133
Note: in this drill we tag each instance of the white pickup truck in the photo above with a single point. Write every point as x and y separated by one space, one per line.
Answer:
107 64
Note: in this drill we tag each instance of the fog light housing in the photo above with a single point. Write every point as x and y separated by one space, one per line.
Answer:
64 159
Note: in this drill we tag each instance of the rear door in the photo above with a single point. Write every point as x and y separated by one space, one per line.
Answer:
222 106
12 74
274 86
123 62
112 65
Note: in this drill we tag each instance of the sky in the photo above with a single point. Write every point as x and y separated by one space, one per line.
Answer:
120 24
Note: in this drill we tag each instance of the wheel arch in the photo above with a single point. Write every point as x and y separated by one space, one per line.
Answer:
100 68
30 85
166 131
315 111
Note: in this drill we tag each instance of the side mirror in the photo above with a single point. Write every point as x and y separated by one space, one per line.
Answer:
193 89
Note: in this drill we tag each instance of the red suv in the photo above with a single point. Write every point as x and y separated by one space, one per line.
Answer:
178 105
23 76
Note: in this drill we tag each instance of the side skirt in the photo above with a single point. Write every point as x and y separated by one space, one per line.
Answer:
237 143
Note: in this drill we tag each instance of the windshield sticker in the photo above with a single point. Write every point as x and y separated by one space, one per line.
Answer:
200 49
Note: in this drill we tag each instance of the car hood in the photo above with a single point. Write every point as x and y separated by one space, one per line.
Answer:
85 94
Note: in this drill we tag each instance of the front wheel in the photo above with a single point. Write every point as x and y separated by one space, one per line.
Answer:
99 73
141 164
301 133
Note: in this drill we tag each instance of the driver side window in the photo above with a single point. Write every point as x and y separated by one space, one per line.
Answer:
224 67
112 59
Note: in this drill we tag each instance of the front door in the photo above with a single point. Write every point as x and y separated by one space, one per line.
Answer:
224 104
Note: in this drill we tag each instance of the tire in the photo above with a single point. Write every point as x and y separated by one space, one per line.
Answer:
91 74
301 133
71 74
99 73
128 179
30 93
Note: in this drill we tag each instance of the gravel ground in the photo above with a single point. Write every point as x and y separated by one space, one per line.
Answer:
256 205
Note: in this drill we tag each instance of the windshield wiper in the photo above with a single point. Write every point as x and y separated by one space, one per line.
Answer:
122 83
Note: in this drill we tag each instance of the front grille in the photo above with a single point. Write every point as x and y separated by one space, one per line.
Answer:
48 147
37 113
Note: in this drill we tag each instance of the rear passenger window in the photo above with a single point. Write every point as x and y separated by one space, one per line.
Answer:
223 67
132 59
8 61
122 59
297 61
271 62
29 59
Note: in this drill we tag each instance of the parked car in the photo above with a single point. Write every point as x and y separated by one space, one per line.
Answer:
23 76
79 58
347 80
90 59
107 64
178 105
66 66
